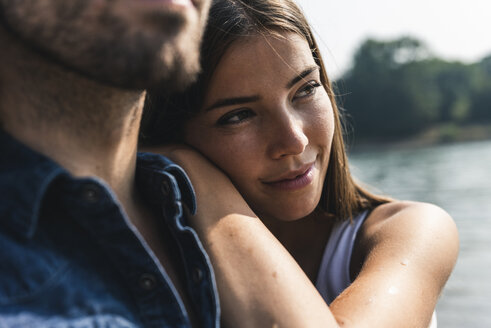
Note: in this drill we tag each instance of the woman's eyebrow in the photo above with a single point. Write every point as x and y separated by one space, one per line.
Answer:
232 101
243 100
302 75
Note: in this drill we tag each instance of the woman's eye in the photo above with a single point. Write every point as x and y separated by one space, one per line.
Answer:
307 90
236 117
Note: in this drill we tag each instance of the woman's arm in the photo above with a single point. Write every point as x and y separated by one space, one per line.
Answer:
260 284
411 250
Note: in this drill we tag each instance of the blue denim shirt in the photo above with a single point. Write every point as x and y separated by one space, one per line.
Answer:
69 256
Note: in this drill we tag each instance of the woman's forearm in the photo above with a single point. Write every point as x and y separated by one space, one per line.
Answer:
259 282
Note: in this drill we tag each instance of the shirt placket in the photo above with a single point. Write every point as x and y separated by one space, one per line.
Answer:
155 296
200 278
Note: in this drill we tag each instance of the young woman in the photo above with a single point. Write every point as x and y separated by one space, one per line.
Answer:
302 245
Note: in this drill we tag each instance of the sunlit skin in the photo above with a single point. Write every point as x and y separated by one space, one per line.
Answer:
268 123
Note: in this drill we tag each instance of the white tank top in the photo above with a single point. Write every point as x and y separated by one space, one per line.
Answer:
334 272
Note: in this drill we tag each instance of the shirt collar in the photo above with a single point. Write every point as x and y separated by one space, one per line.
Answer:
150 179
25 177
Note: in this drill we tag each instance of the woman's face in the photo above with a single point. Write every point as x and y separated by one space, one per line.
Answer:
268 123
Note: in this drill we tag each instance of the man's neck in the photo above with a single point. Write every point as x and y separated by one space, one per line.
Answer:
89 128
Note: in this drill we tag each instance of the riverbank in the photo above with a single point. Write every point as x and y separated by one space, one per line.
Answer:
440 134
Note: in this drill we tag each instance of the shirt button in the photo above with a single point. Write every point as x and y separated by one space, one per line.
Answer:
197 275
147 281
91 193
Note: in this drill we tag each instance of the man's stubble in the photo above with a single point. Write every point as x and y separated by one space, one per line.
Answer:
108 45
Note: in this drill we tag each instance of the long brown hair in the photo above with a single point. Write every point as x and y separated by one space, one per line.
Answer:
231 20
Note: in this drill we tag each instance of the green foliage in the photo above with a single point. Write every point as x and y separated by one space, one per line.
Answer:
481 95
396 89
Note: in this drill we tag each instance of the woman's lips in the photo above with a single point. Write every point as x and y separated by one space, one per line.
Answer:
297 182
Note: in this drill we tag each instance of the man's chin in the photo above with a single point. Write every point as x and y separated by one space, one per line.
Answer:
173 69
140 53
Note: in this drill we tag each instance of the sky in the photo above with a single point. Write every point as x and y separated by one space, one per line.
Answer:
452 29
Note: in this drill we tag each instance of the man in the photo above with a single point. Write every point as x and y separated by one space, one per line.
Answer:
90 233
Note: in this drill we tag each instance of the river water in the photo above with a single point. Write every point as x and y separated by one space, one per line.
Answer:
456 177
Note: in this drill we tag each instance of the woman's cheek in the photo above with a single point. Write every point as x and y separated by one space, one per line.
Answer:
235 154
321 120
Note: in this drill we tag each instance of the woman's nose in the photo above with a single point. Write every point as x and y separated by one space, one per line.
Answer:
287 135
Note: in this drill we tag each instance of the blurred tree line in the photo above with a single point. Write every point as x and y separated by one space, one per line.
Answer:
397 89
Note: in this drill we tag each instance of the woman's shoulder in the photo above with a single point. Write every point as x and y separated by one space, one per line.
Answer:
407 216
412 227
407 251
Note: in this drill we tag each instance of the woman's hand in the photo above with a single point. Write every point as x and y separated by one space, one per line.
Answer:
216 196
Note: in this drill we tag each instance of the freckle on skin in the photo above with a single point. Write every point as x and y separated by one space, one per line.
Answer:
275 274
